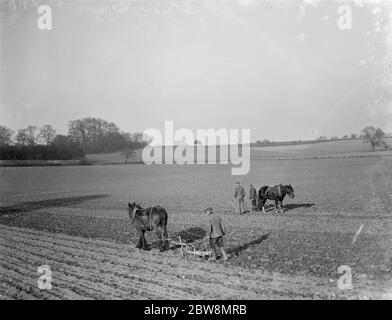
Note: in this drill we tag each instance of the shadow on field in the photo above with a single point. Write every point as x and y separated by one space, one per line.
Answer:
36 205
291 206
287 207
267 207
238 249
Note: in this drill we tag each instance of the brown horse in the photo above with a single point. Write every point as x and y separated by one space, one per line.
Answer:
149 219
276 193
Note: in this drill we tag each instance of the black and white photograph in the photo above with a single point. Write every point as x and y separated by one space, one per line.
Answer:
217 151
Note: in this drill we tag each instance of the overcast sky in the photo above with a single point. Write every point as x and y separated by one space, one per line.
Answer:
285 70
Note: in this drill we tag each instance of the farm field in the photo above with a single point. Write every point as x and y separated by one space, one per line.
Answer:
332 149
341 148
92 269
64 216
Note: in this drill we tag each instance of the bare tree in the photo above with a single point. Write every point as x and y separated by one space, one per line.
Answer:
22 137
126 153
374 136
47 134
137 137
5 135
93 134
32 135
28 136
126 136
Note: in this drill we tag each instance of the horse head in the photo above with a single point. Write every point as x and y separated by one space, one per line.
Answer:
134 205
132 208
290 190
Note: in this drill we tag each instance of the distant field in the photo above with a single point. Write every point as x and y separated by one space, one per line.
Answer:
334 197
344 148
114 157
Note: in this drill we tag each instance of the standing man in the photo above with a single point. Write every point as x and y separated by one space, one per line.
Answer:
253 197
215 232
239 195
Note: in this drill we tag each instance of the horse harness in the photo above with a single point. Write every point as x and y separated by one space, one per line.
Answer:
151 217
279 190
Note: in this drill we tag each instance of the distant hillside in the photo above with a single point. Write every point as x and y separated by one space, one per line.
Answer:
321 149
351 147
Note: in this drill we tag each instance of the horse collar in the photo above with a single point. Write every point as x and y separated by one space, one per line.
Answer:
151 218
134 214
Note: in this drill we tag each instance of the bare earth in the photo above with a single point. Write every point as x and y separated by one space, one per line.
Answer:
92 269
75 220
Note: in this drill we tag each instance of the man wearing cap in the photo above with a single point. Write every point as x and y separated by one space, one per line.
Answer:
215 232
253 196
239 195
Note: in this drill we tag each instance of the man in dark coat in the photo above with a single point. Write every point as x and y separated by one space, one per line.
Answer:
253 197
239 195
215 232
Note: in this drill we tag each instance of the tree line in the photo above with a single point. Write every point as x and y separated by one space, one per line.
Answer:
95 135
87 135
372 135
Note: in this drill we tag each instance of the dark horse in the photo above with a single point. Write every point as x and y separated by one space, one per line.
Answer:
149 219
276 193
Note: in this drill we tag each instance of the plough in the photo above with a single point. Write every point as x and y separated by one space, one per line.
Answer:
194 249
